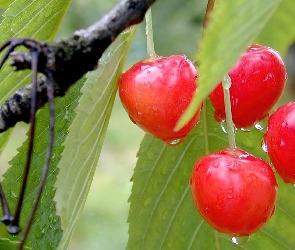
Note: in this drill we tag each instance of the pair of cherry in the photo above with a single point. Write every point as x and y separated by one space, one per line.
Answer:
234 191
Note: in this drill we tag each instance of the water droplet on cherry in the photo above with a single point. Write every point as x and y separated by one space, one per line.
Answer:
240 240
284 124
206 210
216 164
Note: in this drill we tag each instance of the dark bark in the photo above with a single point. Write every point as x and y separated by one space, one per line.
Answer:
68 60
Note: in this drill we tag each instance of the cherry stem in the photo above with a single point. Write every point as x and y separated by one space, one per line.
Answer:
226 84
149 33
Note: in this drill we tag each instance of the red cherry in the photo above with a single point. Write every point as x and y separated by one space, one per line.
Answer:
280 141
258 80
156 91
234 191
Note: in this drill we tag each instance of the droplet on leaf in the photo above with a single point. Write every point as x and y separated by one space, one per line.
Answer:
174 142
223 126
240 240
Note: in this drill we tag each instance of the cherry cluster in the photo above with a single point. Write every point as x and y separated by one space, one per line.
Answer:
234 191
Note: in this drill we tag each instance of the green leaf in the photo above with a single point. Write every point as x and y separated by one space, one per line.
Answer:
4 139
234 25
42 14
279 32
34 19
46 230
86 134
162 214
10 245
5 3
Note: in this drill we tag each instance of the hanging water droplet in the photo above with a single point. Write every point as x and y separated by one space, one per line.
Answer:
174 142
245 129
223 126
259 126
264 146
240 240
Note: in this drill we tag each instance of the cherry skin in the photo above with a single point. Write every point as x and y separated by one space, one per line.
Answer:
156 91
234 191
280 141
258 80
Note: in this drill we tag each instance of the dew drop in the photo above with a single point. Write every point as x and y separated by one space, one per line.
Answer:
264 146
264 219
50 218
206 210
174 142
140 114
223 126
13 194
39 233
259 126
245 129
147 202
284 124
47 14
154 108
215 164
240 240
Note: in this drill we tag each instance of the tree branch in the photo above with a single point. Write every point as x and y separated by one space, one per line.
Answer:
68 60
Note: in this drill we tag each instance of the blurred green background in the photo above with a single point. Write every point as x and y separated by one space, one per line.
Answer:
177 28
